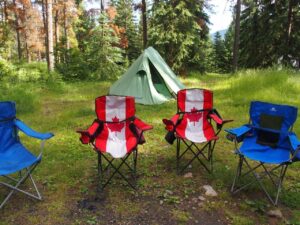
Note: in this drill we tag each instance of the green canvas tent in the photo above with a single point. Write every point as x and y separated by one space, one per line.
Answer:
149 79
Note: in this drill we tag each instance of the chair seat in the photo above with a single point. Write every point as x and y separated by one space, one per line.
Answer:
117 142
15 158
195 130
262 153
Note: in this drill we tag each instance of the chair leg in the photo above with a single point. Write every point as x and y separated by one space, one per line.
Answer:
282 175
177 155
21 181
116 170
210 156
100 172
238 173
135 155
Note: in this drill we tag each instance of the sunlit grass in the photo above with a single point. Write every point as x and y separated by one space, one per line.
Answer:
68 170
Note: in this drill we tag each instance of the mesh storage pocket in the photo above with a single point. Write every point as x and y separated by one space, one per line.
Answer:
269 133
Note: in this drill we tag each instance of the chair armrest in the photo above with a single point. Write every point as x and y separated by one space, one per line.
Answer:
30 132
238 133
142 125
295 144
218 119
89 135
170 124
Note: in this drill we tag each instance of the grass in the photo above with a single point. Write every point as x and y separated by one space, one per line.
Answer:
67 175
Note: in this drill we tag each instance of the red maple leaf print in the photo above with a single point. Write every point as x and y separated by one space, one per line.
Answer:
115 126
194 116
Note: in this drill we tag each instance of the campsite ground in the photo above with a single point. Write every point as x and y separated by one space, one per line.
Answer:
67 176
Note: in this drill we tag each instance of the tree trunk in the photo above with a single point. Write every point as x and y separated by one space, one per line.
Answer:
5 11
236 43
44 12
66 29
67 44
101 6
28 57
56 35
145 29
289 29
50 35
17 32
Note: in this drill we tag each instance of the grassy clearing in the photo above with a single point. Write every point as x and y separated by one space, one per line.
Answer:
67 175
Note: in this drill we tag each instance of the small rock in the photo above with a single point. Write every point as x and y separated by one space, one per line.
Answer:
194 208
196 221
200 204
161 202
275 213
190 166
169 192
201 198
209 191
188 175
194 199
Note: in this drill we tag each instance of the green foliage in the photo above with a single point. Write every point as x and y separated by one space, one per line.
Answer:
178 30
26 101
267 38
97 57
228 44
6 40
6 69
219 54
131 39
26 72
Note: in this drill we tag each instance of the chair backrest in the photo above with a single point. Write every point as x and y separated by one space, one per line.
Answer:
262 109
7 127
274 121
189 100
111 108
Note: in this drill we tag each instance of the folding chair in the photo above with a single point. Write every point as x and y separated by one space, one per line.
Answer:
269 143
115 131
14 157
192 126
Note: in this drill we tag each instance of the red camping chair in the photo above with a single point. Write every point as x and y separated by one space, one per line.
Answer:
116 131
192 126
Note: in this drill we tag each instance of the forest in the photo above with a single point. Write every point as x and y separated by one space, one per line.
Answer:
96 42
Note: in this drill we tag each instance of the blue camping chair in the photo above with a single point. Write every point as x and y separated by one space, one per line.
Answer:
267 140
14 157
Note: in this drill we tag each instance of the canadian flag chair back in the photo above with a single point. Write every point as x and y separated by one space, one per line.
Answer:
116 113
114 108
196 105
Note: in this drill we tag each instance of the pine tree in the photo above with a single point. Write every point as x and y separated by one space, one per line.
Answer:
220 62
269 33
130 38
178 30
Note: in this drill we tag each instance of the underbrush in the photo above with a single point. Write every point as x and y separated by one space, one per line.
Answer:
26 72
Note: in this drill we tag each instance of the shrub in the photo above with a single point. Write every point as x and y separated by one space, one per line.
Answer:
25 99
6 69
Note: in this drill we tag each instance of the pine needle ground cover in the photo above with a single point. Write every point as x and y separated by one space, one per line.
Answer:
67 176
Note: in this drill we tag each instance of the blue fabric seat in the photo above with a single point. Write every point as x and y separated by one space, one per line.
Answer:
267 141
263 153
14 157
